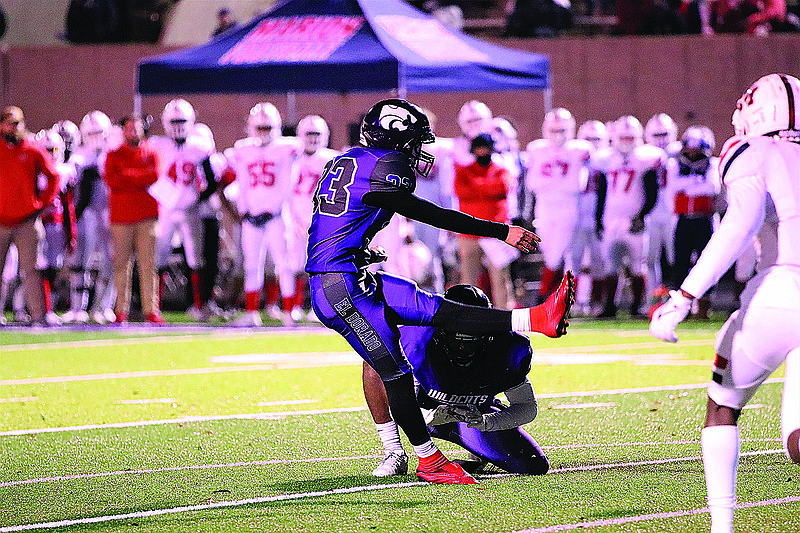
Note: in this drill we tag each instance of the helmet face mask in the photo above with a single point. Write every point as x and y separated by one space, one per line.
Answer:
504 135
697 146
69 132
626 134
178 119
660 131
558 126
474 118
51 141
595 133
264 122
95 129
314 132
399 125
462 349
771 106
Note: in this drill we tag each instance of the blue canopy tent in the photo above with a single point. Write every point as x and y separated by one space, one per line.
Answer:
342 46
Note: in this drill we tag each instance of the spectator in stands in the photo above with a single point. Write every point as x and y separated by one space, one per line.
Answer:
482 189
93 21
750 16
21 202
538 18
225 21
129 171
649 17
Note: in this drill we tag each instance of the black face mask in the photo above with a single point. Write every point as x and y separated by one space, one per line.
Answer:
484 160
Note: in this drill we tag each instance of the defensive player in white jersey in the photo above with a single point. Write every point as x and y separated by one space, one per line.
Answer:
184 153
556 175
506 145
93 252
313 133
263 166
58 221
585 242
627 191
71 136
659 224
763 158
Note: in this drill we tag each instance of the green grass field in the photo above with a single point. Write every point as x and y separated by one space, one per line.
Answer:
224 430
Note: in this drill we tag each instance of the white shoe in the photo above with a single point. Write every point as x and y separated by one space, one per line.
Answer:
68 317
274 312
296 314
392 464
3 320
288 320
52 319
81 317
98 318
109 315
248 319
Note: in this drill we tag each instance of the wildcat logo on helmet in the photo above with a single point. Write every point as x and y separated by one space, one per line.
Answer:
396 118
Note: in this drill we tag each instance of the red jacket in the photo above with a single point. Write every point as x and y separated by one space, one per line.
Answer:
482 191
129 172
20 166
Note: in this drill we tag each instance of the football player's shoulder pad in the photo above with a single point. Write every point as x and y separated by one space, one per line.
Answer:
737 152
538 144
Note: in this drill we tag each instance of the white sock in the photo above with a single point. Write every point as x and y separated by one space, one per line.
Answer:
390 437
720 458
520 319
426 450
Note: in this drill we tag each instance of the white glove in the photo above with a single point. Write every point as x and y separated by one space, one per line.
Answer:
669 315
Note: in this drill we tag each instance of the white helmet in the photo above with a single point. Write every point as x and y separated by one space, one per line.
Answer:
314 132
264 122
95 128
473 118
660 131
595 133
504 135
69 133
51 141
558 126
626 134
178 119
770 105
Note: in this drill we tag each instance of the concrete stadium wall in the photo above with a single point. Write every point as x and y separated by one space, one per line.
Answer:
696 80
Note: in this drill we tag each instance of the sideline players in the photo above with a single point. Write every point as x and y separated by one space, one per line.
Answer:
358 194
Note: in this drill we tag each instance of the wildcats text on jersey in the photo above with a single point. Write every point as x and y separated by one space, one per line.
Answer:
457 399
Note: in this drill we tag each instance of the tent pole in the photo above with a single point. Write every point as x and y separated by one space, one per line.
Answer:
137 104
291 107
548 99
401 80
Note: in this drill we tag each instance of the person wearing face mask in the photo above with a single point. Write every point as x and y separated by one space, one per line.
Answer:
482 188
22 200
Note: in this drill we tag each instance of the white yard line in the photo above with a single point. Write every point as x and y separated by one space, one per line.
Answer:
51 479
148 338
19 399
350 490
277 415
274 415
654 516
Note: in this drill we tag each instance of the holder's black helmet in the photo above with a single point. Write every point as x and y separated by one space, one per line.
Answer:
462 348
396 124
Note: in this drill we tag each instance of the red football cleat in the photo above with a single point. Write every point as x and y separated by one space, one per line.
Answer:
439 469
550 317
155 318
